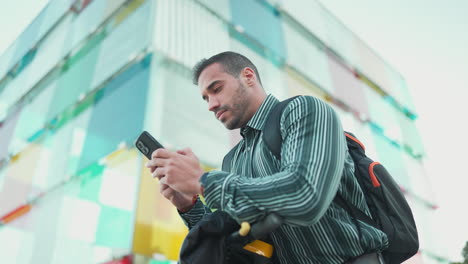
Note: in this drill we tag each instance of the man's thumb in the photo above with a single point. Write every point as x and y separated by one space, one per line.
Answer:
185 151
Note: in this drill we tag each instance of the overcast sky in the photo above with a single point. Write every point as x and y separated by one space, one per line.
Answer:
427 42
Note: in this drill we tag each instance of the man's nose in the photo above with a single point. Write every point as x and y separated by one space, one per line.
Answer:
213 104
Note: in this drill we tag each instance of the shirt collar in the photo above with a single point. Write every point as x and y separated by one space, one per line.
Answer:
259 118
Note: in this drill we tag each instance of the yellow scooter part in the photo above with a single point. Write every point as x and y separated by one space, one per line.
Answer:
258 247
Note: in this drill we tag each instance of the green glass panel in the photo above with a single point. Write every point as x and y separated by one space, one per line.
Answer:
115 228
90 188
392 159
384 115
33 116
91 182
76 80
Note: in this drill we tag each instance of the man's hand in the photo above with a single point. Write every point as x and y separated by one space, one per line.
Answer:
182 202
179 170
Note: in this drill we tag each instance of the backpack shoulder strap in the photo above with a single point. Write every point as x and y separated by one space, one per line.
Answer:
272 128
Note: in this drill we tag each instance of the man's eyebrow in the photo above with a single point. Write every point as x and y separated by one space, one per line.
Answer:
211 87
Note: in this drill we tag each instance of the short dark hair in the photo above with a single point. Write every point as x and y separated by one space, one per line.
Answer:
232 62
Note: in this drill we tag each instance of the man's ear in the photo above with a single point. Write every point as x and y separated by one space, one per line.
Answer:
249 76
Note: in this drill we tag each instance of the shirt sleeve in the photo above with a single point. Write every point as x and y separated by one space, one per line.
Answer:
194 215
312 161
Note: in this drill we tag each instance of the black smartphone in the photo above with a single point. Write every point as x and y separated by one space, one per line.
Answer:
146 144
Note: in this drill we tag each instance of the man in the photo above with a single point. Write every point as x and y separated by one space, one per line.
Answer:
300 187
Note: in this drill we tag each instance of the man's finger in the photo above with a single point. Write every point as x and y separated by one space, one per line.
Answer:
156 162
184 151
161 153
163 180
159 173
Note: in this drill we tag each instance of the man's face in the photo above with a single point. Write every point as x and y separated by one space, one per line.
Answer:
226 96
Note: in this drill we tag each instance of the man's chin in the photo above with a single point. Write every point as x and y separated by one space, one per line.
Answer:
231 125
228 125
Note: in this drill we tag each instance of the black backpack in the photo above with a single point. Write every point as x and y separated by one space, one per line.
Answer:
387 204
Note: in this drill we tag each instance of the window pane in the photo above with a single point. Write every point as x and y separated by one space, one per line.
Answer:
49 53
118 117
259 22
86 21
184 31
340 39
76 80
305 56
112 57
373 66
33 117
347 88
310 16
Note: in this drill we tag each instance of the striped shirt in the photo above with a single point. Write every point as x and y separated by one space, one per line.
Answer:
314 166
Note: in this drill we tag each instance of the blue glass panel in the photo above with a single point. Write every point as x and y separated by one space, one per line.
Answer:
48 55
27 39
14 90
75 81
86 21
53 11
123 43
260 22
6 61
118 116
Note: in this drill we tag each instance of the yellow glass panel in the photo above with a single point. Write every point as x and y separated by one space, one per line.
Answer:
298 85
116 158
158 226
123 14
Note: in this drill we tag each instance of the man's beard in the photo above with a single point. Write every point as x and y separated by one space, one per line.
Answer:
238 107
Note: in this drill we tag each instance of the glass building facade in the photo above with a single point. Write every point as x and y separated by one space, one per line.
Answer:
87 76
